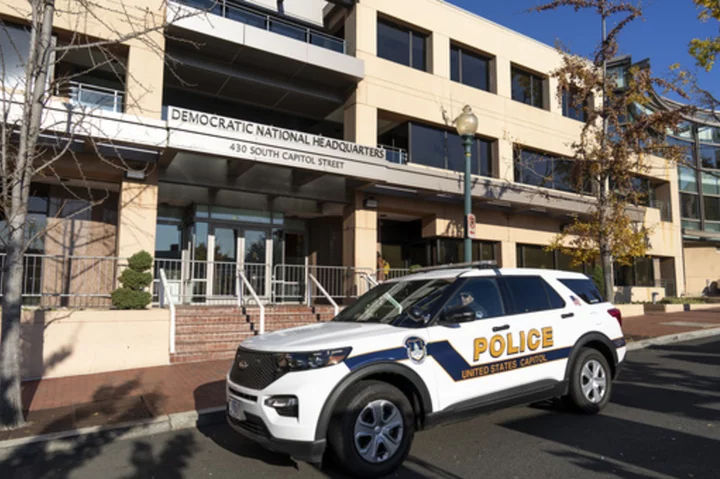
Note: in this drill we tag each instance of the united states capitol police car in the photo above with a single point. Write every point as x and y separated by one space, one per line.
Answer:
426 348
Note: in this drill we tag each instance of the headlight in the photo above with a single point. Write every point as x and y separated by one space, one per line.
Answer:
290 362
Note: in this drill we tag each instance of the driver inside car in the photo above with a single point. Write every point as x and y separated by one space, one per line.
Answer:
468 303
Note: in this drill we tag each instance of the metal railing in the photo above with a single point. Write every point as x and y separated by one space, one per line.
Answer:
395 155
97 97
234 11
165 296
324 293
391 273
67 281
664 207
292 283
251 290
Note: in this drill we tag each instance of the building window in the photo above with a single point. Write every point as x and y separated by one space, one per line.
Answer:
469 68
572 106
527 87
14 50
548 171
401 45
640 273
533 256
689 206
440 148
710 157
451 250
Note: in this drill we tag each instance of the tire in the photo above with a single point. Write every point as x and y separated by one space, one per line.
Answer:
590 382
360 406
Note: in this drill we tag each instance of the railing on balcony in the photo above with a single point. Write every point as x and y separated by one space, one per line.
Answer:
664 207
235 11
96 97
395 155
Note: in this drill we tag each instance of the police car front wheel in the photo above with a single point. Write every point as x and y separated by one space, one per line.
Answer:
590 384
372 432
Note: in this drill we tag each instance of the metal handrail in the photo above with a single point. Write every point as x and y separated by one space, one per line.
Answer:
77 89
372 283
171 305
325 293
267 21
245 281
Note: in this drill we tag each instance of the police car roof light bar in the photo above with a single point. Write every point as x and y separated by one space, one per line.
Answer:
486 264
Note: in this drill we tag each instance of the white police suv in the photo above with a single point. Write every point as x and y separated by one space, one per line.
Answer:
420 350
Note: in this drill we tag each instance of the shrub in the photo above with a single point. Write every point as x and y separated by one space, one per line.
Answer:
676 300
597 277
135 279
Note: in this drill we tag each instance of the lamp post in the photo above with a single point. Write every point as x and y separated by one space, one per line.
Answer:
467 124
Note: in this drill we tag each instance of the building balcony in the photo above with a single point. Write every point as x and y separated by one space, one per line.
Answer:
282 42
270 23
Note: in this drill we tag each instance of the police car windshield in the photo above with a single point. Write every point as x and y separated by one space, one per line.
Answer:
390 302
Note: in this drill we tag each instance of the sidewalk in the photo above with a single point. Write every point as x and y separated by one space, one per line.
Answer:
107 399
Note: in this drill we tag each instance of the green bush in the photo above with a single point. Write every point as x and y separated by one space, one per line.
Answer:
597 277
135 279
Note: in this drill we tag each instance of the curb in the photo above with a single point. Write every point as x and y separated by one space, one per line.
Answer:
673 338
58 441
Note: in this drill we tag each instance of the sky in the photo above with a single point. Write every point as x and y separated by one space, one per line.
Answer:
662 36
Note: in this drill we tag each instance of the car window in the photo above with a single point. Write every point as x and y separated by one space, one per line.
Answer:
478 295
531 294
584 288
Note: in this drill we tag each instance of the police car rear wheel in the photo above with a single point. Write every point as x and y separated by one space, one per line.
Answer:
372 433
590 384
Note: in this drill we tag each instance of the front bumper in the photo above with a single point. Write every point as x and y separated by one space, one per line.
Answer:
308 451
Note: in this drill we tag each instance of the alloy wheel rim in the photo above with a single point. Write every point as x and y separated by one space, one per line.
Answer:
593 381
378 431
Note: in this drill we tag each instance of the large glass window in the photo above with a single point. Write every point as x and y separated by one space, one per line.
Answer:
527 87
451 250
444 149
543 169
469 68
533 256
402 45
572 107
688 179
689 206
710 157
712 208
639 273
14 51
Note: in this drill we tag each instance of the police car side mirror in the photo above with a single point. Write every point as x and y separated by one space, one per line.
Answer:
458 316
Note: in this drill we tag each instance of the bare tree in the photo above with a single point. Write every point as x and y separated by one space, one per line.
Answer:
621 130
36 137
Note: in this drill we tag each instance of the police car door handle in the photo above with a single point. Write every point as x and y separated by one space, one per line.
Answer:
567 315
501 328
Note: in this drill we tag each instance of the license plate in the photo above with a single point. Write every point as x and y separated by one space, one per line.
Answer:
235 410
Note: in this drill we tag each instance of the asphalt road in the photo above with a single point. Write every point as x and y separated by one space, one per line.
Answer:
664 421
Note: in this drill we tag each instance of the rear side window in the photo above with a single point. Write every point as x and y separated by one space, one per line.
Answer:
531 294
584 288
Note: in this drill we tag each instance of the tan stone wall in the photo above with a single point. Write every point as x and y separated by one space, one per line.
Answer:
137 216
702 264
65 343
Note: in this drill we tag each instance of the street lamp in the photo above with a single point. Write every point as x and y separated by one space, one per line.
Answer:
467 125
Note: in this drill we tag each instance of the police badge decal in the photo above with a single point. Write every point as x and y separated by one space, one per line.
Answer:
416 349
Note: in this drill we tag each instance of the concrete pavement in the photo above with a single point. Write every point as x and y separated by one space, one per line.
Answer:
664 421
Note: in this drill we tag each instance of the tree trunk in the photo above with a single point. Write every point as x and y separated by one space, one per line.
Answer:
10 398
36 76
608 280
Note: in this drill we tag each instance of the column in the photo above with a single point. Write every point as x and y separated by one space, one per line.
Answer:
508 254
359 239
360 122
503 79
144 80
440 55
137 217
361 30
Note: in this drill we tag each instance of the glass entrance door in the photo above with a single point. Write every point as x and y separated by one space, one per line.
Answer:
224 263
255 259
